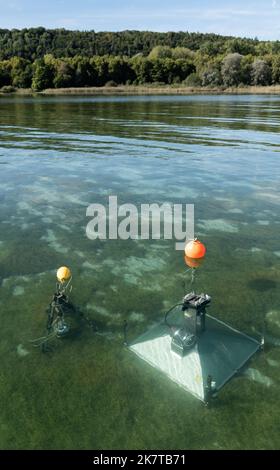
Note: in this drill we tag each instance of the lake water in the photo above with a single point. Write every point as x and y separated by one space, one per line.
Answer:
60 154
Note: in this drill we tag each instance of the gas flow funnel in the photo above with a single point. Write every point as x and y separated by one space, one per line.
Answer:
197 351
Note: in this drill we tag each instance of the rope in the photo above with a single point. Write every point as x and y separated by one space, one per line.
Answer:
192 277
43 339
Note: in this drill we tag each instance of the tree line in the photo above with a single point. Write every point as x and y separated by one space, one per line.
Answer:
163 65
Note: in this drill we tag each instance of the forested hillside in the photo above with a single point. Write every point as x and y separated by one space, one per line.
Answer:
36 42
41 58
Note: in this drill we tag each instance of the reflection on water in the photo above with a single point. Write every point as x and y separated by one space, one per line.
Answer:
60 154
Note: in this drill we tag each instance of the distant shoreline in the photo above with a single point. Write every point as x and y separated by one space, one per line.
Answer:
151 90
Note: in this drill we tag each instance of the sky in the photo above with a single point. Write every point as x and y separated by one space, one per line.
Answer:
245 18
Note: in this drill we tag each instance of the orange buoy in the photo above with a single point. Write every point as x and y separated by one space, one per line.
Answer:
195 249
193 262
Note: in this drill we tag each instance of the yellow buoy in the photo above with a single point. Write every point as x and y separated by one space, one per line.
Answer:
63 274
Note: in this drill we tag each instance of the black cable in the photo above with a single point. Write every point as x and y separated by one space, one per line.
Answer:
170 310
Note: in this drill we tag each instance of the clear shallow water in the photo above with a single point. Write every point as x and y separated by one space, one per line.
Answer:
58 155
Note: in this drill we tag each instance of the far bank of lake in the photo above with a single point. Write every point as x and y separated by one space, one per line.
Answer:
152 90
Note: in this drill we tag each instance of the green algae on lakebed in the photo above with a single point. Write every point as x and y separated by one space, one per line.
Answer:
61 154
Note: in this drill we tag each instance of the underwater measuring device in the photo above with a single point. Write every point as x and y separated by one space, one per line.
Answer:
192 348
60 301
57 326
184 336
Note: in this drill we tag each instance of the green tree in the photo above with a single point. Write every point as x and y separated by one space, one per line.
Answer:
240 46
276 68
246 70
193 80
263 48
275 46
182 53
211 76
5 74
142 68
83 71
119 70
43 75
231 69
64 74
211 48
100 65
261 73
160 52
21 72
